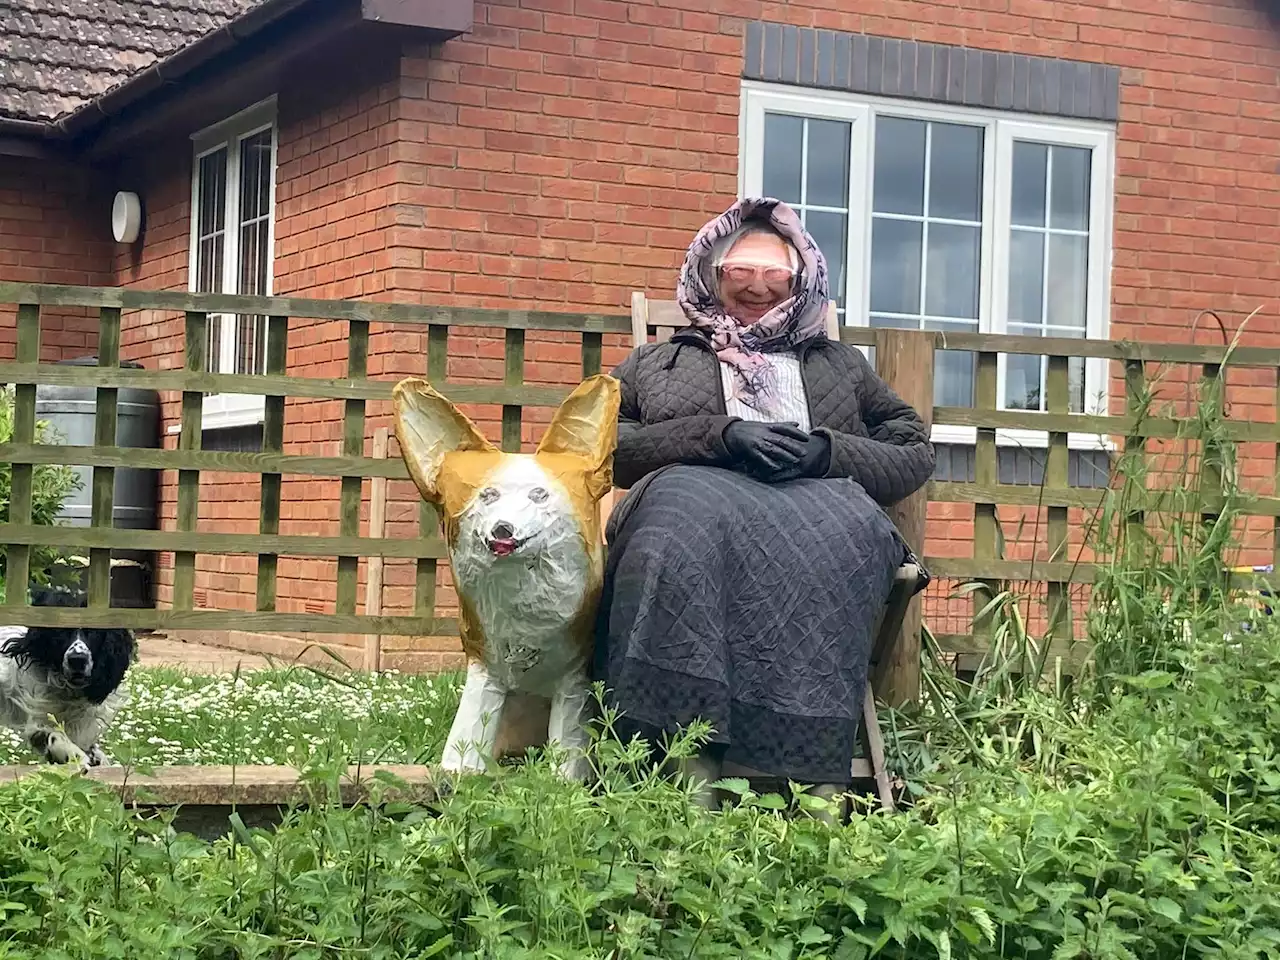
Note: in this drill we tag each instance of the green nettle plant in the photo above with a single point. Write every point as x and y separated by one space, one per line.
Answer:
50 487
1132 813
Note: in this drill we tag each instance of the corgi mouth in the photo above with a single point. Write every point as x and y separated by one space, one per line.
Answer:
505 546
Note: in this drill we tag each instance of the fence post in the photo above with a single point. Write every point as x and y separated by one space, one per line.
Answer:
904 360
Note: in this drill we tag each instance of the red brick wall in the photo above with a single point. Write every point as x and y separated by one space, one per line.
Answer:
55 227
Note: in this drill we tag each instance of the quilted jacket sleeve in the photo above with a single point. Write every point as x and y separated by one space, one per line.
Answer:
896 458
645 447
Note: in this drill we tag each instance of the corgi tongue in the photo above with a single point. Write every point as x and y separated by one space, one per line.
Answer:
504 547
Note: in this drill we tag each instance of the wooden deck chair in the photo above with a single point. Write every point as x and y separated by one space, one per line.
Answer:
658 320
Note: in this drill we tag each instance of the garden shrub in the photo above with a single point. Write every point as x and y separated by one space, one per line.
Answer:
50 487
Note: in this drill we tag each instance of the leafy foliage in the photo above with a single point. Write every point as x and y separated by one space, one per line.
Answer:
1132 812
50 487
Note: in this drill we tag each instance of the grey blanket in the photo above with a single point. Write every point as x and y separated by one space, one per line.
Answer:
749 605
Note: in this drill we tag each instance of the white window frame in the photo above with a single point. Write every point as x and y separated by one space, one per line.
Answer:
1002 128
225 410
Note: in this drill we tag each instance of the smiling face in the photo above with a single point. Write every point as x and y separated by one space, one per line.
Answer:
755 275
519 509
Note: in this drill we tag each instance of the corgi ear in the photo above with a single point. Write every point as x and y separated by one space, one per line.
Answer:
586 425
428 426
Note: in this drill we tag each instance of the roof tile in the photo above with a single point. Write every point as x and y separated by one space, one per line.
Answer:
58 55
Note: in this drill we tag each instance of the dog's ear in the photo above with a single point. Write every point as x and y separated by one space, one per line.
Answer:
428 427
586 426
113 653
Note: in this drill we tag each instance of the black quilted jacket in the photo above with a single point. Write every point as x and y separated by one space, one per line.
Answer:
673 411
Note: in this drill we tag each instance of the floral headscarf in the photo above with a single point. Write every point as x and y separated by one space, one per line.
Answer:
800 318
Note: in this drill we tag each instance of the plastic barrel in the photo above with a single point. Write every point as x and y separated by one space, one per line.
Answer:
70 412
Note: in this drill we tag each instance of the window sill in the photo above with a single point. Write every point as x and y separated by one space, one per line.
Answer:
227 412
1035 439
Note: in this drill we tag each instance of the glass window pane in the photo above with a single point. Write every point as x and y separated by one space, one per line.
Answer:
1030 170
828 162
951 283
212 191
1022 382
1068 280
1069 196
209 264
895 266
1075 384
953 377
899 166
831 231
783 139
1026 276
955 172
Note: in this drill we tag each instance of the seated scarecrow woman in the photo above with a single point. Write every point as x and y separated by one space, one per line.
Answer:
751 559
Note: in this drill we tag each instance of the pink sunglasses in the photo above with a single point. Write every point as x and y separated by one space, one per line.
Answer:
775 275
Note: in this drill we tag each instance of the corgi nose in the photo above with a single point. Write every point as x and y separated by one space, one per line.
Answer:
503 531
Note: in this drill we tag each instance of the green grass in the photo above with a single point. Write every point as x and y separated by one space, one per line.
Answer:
280 716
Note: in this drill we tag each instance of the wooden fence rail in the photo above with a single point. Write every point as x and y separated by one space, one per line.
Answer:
513 395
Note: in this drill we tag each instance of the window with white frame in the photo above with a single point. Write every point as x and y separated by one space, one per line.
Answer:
952 220
232 235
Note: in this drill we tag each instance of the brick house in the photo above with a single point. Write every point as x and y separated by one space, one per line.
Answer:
1090 169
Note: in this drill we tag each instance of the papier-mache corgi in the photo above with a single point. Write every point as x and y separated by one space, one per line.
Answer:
523 533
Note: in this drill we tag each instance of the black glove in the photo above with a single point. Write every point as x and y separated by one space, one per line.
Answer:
762 449
814 462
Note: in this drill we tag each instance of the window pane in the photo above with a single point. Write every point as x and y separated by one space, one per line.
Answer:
1026 276
895 266
783 138
1068 280
212 193
1030 171
831 231
828 163
953 376
1069 198
899 166
1022 382
955 172
255 176
1075 384
951 285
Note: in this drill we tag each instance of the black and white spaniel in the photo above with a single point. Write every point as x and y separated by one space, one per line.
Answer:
60 686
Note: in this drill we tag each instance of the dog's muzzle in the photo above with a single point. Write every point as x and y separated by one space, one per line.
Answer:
77 662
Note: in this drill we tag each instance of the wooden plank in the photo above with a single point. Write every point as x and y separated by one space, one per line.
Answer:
351 494
243 620
244 544
128 298
272 442
377 530
1153 426
965 568
105 430
1101 349
211 460
904 359
592 354
18 556
268 385
948 491
986 528
1057 400
226 785
1135 522
196 347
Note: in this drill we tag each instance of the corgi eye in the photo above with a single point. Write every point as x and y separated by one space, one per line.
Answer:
538 495
489 495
